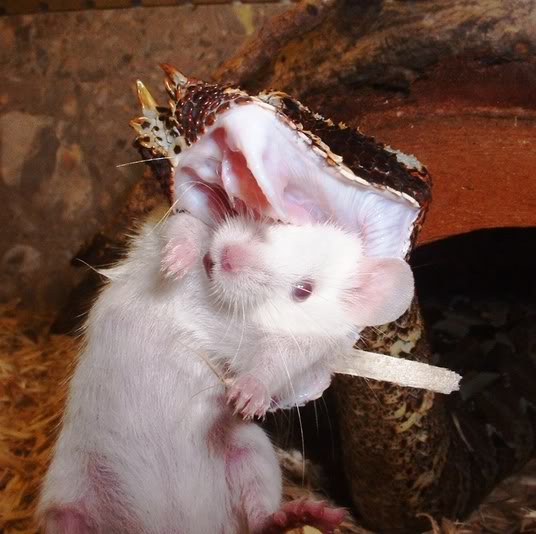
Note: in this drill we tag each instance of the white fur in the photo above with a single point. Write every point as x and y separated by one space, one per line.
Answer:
291 346
134 453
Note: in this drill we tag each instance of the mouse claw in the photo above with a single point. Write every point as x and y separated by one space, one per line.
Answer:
249 397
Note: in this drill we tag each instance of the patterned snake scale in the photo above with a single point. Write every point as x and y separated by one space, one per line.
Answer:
405 451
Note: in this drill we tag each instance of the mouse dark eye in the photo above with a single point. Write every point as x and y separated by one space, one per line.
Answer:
302 290
208 264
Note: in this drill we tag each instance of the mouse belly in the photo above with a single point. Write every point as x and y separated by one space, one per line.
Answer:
224 479
139 485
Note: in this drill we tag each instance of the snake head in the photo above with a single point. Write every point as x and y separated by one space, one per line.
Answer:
218 150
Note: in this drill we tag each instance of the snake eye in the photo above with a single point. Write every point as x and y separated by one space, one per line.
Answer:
302 290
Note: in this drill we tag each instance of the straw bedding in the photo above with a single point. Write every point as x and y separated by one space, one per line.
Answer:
34 368
33 371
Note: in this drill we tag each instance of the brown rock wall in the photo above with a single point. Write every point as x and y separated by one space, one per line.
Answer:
66 96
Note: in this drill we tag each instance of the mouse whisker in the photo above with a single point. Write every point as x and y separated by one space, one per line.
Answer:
101 273
231 312
339 353
381 333
208 388
237 351
303 443
142 161
334 343
220 303
293 392
206 359
171 208
372 390
330 426
316 419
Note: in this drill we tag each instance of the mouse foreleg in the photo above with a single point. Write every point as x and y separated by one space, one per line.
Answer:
280 375
308 386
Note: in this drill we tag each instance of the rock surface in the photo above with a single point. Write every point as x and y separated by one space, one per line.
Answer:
66 97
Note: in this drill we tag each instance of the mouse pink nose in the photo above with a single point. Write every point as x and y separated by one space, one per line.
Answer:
233 258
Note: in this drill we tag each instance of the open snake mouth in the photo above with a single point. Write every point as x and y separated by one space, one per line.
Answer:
271 157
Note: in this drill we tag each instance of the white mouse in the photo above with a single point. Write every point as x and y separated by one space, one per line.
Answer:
304 292
149 442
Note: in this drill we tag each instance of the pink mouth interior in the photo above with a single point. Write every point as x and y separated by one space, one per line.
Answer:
252 162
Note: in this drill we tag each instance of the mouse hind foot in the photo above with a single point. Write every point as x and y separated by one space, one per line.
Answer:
66 519
305 512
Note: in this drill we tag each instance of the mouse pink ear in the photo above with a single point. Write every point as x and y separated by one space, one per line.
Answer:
384 291
179 256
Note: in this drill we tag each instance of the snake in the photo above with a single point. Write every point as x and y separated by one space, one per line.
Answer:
406 452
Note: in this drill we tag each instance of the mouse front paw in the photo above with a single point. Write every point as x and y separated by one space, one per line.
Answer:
249 396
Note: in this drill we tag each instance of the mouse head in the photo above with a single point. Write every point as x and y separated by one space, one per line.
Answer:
309 279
